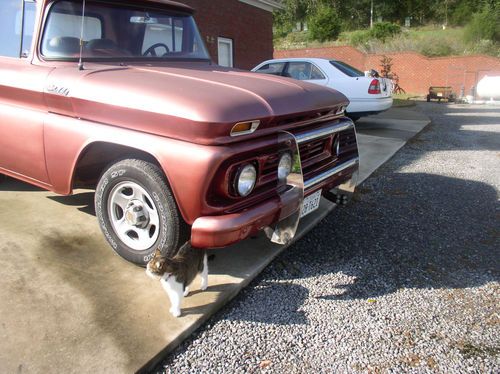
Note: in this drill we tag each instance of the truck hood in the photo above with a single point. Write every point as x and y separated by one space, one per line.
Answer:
198 103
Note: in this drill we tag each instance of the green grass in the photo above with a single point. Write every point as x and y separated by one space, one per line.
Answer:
405 100
430 41
399 103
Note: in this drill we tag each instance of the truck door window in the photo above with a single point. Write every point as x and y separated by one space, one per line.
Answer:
28 27
10 41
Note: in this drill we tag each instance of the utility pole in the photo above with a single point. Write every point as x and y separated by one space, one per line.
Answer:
371 15
446 12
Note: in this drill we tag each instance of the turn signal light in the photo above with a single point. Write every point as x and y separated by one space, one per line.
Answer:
244 128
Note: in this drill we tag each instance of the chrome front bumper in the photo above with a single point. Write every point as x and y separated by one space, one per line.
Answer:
284 231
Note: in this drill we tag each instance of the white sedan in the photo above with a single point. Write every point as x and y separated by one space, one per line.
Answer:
367 95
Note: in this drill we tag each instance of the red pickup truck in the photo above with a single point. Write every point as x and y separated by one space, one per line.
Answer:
122 96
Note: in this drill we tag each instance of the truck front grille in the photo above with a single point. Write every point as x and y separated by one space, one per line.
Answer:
319 154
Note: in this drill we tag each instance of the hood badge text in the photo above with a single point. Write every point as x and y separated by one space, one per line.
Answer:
57 90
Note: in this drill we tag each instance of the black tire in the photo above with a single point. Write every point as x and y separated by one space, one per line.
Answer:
428 98
153 181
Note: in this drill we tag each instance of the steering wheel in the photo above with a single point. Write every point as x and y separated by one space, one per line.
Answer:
152 50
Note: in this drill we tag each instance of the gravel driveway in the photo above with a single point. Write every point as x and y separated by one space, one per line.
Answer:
405 278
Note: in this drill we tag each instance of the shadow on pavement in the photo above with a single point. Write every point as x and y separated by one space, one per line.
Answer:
443 234
83 200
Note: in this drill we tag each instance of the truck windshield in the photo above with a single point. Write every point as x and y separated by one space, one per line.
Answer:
117 31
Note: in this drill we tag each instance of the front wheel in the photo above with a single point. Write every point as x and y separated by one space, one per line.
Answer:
136 211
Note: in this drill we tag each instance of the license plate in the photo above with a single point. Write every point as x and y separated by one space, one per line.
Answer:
440 94
310 203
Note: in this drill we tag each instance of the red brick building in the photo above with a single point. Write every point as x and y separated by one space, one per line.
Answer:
237 33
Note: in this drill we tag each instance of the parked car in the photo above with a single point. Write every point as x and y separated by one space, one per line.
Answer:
367 95
123 97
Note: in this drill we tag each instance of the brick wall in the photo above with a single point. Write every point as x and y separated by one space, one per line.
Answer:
416 72
250 28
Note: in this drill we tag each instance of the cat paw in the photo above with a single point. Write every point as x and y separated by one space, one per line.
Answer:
204 287
175 312
186 292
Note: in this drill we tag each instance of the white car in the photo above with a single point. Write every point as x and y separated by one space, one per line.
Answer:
367 95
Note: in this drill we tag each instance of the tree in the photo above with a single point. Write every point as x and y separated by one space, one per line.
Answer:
386 65
484 25
324 24
295 11
355 14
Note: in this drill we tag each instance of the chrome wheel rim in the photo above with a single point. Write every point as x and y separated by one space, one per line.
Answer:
133 215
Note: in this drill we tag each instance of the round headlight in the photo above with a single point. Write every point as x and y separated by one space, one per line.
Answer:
245 180
284 166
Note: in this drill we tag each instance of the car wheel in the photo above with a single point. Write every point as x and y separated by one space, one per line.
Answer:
136 211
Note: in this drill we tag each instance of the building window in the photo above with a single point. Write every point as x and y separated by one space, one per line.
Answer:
225 51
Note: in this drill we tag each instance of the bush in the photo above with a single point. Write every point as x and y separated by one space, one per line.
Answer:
296 39
484 26
439 48
324 24
462 13
384 30
360 37
281 24
488 47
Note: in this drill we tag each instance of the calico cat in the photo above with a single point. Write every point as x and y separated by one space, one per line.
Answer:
177 273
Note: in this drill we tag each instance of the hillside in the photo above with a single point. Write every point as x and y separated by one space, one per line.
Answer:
430 41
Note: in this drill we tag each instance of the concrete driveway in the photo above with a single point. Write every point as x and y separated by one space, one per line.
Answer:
69 304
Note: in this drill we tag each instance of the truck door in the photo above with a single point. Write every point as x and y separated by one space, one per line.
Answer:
22 108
